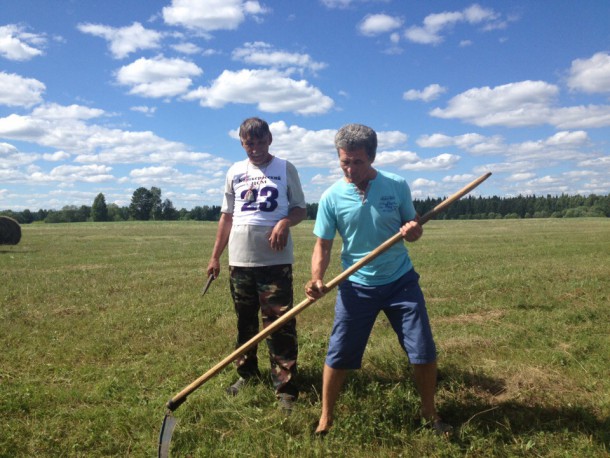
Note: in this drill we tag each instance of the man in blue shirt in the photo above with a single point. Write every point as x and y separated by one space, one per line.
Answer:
367 207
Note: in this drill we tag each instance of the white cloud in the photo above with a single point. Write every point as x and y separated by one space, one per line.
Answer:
434 25
87 173
17 44
422 188
442 140
56 156
516 104
211 15
337 3
316 148
303 147
539 186
525 103
188 48
422 36
390 139
561 146
475 144
18 91
167 176
522 176
54 111
385 158
10 175
11 157
344 4
431 92
148 111
408 160
7 148
576 138
94 144
211 52
375 24
476 14
158 77
124 40
600 163
464 178
260 53
325 180
422 182
441 162
202 160
581 117
270 90
591 75
158 173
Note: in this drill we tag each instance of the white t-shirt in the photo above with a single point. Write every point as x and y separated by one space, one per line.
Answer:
258 197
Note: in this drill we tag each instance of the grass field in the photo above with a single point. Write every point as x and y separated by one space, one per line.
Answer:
102 323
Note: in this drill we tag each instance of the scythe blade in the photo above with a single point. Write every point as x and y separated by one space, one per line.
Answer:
165 436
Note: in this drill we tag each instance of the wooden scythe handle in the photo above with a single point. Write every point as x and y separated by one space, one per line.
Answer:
179 398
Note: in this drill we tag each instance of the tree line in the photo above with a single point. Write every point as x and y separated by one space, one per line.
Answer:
146 204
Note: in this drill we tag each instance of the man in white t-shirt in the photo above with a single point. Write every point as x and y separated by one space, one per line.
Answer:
263 198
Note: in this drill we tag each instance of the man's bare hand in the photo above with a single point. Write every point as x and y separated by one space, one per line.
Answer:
279 235
412 231
213 268
315 289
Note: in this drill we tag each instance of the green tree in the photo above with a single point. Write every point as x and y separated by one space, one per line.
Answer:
99 210
28 217
156 212
141 204
116 213
168 211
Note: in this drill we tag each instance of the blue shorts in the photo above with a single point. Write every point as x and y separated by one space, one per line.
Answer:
356 310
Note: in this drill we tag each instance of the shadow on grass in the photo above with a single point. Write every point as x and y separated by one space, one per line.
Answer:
476 407
487 412
16 251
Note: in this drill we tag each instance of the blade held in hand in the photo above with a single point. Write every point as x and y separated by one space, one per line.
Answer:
207 284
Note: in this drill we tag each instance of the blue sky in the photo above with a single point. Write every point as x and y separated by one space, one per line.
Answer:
111 95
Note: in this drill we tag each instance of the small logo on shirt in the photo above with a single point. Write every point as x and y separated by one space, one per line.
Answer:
387 204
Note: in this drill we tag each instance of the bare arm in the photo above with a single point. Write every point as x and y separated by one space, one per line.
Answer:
320 259
222 238
279 235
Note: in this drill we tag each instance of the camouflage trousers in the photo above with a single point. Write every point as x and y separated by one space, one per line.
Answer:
268 289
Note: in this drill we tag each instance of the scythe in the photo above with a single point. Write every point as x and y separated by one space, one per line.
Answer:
169 422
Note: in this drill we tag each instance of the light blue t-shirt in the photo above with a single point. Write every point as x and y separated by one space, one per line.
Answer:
364 226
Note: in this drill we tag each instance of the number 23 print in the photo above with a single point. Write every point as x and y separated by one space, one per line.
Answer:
268 205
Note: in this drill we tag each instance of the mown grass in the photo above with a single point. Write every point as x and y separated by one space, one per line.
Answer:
102 323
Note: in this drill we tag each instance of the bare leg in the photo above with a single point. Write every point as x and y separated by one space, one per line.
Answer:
332 382
425 381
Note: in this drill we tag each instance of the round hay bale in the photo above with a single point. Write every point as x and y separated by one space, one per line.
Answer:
10 231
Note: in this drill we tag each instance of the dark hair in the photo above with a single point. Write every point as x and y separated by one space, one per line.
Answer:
254 127
355 136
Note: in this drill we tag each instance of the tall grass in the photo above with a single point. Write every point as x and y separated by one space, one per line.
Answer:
101 324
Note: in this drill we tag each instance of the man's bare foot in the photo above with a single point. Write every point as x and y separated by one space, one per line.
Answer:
323 427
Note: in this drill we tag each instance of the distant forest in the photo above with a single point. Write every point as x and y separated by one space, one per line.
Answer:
146 204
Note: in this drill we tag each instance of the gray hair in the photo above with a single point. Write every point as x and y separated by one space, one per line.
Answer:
254 127
355 136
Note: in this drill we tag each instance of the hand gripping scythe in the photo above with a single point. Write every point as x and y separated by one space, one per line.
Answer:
169 422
